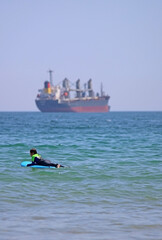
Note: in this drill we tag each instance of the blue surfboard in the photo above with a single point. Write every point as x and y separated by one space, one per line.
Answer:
25 163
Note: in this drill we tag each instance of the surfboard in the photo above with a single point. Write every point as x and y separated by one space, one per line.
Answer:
25 163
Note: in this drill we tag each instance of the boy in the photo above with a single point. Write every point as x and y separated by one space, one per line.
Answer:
37 160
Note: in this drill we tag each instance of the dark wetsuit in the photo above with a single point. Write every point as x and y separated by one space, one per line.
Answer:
43 162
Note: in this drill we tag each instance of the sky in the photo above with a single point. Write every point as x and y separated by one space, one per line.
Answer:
116 42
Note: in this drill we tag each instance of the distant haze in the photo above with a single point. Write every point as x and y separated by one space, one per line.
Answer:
116 42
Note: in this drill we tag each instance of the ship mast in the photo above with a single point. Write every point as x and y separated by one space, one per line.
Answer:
102 90
50 75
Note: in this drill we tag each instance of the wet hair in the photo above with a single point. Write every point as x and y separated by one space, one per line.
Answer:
33 150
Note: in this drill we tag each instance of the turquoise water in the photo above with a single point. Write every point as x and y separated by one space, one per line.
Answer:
111 188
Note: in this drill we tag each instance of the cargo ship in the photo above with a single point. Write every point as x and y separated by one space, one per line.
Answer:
68 97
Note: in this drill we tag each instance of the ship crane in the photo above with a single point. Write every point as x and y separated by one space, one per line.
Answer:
50 75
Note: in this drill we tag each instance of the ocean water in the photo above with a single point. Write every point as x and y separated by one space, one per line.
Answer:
110 189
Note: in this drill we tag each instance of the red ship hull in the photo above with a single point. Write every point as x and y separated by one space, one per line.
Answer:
80 109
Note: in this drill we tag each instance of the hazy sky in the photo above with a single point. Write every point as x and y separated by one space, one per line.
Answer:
116 42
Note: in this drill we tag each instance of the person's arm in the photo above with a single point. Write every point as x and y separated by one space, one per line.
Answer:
30 164
34 162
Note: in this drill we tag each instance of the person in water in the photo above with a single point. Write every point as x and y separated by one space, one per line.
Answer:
38 160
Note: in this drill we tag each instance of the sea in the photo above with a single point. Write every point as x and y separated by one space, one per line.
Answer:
109 189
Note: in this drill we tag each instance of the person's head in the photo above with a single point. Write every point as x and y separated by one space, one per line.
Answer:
33 151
